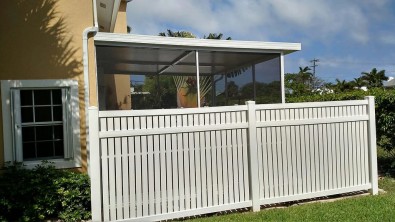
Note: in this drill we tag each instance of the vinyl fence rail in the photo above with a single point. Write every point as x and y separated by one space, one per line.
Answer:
162 164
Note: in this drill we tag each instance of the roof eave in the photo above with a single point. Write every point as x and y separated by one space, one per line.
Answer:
114 39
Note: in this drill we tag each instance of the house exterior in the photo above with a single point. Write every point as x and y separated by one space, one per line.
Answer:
43 93
65 97
64 56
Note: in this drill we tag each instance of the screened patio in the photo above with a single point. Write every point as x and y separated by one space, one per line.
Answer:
153 165
171 72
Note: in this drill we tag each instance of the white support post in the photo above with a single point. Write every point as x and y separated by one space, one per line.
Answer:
253 157
95 163
197 77
372 146
282 77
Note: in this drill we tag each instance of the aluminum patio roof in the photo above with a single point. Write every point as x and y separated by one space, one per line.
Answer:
138 54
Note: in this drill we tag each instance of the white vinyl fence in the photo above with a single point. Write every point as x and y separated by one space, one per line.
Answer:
164 164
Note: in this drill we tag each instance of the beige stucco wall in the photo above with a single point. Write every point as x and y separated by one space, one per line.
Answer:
32 50
116 88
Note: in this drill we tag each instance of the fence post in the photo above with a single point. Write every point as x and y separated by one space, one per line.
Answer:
372 146
253 157
94 150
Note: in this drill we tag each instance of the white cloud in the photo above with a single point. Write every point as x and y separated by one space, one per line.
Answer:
387 39
257 19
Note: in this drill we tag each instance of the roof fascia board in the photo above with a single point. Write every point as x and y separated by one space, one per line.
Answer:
113 39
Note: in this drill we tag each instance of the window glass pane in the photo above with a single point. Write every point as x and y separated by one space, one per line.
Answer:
28 134
45 149
44 133
26 114
240 87
42 97
59 149
26 97
57 96
43 114
57 113
268 81
151 92
29 150
219 98
58 132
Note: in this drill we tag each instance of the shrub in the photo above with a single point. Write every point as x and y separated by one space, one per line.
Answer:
384 105
385 119
43 193
386 161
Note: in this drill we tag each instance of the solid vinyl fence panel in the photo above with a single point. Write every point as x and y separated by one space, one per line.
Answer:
166 164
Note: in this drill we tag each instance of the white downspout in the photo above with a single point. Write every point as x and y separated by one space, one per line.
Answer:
85 38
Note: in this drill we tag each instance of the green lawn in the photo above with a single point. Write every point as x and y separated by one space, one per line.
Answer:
363 208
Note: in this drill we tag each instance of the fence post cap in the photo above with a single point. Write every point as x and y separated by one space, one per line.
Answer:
250 102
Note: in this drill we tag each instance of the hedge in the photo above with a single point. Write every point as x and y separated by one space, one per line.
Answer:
384 105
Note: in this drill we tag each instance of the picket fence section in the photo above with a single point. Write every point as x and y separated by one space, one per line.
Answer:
164 164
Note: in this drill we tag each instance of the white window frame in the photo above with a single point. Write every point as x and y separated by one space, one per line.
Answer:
11 152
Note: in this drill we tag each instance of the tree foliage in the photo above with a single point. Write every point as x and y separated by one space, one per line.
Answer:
374 78
301 83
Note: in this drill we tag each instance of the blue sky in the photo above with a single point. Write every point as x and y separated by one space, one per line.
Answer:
347 36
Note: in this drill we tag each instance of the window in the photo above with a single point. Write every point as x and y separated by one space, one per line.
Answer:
44 120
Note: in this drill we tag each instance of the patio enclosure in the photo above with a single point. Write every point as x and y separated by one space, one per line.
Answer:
179 72
163 164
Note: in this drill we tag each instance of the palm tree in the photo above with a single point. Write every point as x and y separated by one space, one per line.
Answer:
305 76
180 34
343 86
374 78
359 82
216 36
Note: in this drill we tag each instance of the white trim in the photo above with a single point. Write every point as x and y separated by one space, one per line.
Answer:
9 147
197 77
115 39
282 77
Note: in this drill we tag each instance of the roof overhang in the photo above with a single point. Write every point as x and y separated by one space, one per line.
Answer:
107 11
139 54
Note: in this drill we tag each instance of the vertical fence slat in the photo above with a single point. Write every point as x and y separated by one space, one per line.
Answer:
132 174
105 180
298 154
307 148
235 179
240 165
284 158
192 165
125 178
198 177
230 165
279 157
288 155
320 149
214 167
181 150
